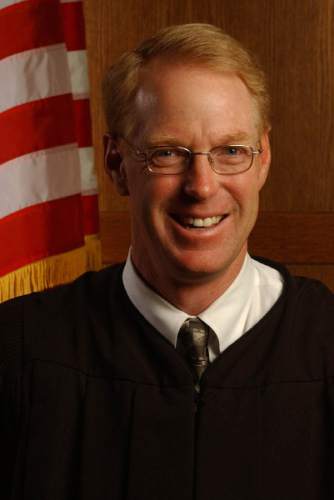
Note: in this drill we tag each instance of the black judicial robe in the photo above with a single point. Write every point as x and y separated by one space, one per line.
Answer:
97 405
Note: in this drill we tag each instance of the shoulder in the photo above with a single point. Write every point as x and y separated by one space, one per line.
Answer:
304 315
47 322
306 312
306 304
87 287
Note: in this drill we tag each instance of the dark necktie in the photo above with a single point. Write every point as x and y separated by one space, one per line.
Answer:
192 343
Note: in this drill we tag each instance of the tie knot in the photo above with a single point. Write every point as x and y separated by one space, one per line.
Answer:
192 343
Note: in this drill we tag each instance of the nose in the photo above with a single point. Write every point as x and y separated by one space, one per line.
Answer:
201 181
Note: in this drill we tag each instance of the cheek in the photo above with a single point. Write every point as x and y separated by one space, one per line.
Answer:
145 201
240 189
153 191
244 196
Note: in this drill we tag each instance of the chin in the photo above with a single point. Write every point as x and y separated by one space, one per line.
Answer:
195 269
192 266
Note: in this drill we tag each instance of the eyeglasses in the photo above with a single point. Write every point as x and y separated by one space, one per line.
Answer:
229 159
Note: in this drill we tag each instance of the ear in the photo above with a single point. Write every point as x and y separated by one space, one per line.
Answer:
264 158
114 164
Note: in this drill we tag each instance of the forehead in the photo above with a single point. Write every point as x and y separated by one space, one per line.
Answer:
180 98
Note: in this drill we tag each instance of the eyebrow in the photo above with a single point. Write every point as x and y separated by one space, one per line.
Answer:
162 141
235 137
231 138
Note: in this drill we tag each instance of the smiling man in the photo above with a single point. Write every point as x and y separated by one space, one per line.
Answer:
191 213
194 371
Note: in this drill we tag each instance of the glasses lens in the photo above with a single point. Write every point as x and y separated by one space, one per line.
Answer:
231 159
169 159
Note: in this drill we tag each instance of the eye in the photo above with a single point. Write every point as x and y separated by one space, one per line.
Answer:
230 153
233 150
165 153
165 157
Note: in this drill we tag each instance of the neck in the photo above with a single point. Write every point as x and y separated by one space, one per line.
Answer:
193 297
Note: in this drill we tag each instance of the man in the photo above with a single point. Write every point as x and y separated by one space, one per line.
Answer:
195 371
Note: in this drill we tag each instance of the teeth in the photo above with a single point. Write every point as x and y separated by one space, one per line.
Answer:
207 222
198 222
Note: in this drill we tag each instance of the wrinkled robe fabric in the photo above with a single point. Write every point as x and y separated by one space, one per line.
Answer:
95 404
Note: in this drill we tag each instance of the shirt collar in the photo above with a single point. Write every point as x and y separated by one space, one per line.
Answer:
167 319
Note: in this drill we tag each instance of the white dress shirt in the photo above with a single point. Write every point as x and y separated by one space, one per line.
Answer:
250 296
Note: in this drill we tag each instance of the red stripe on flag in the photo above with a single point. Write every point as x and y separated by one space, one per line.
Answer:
40 231
28 25
90 209
83 125
74 25
37 125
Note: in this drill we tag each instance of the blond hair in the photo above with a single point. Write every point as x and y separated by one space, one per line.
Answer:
202 44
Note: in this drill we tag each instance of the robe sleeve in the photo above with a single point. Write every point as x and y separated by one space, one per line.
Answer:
11 349
326 320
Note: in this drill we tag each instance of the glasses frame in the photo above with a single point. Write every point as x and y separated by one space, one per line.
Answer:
146 156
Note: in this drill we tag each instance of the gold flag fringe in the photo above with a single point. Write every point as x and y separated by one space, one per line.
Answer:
52 271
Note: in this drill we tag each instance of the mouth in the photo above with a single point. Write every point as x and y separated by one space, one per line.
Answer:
199 223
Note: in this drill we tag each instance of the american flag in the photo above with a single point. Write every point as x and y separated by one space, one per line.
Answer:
48 187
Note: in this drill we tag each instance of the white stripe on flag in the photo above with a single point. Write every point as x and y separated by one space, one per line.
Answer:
77 61
41 176
7 3
34 74
88 175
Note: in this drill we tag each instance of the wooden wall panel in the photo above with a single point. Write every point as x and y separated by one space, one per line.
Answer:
320 272
294 41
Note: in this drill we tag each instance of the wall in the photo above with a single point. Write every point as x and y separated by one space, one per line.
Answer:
294 40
